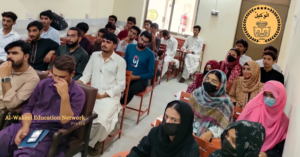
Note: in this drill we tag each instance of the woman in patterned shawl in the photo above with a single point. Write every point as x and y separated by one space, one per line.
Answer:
241 139
245 88
213 109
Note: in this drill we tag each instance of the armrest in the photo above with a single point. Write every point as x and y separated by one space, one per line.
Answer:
63 132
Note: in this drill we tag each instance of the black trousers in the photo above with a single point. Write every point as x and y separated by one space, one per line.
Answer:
135 87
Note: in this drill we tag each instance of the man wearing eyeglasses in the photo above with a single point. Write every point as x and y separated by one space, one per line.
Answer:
73 49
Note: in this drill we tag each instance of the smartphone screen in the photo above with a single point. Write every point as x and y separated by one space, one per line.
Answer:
34 136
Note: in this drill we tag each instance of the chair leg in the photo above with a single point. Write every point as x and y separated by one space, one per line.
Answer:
150 102
102 149
140 109
121 125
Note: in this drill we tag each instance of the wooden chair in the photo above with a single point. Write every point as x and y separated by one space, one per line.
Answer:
205 148
142 94
122 154
162 49
63 41
119 131
237 112
172 71
228 87
200 62
153 123
185 96
120 53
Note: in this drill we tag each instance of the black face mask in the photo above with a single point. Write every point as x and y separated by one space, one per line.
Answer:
230 58
205 72
209 88
170 128
227 149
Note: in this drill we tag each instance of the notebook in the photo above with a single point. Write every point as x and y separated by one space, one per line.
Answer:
25 144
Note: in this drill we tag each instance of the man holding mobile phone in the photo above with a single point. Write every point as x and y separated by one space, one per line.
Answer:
57 96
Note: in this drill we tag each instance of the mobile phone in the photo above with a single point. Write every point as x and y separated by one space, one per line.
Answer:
34 136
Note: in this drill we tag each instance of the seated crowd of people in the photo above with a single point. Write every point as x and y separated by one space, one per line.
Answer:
255 86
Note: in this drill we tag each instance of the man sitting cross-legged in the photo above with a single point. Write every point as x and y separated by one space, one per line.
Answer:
106 70
54 97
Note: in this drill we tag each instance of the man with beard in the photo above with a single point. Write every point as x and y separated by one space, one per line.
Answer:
42 49
130 39
48 31
59 96
18 78
141 61
107 72
73 49
7 34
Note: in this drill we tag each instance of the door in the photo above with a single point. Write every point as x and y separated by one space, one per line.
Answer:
255 50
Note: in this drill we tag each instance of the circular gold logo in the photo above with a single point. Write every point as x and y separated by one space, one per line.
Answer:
261 24
152 15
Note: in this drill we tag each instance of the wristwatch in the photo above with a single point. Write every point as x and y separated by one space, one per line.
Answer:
6 79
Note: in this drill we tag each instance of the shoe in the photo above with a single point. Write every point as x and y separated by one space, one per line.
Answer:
182 80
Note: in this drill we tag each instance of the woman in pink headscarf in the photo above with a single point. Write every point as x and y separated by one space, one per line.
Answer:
267 108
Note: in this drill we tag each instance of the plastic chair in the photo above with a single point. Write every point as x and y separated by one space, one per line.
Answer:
142 94
154 123
119 131
205 148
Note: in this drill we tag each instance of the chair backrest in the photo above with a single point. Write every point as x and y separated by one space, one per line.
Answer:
185 96
228 87
91 95
162 48
155 71
41 75
237 112
157 122
120 53
205 148
63 41
128 80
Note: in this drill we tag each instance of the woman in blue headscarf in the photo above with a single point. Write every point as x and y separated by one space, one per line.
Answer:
212 107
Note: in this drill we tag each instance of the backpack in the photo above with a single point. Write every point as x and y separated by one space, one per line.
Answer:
58 22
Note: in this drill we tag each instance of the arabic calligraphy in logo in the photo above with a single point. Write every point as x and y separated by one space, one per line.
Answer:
261 24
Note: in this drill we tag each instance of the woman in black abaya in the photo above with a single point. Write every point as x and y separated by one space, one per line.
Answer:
172 138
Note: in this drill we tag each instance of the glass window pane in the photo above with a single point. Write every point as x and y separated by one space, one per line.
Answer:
159 11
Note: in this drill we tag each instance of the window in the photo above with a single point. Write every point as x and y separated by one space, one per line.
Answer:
177 16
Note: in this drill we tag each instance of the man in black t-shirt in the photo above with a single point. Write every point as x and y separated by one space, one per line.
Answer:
267 72
42 50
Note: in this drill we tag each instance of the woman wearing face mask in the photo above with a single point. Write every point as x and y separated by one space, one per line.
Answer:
241 139
267 108
213 109
231 66
210 65
172 138
245 88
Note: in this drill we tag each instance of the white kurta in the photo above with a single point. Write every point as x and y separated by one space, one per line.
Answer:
192 60
244 58
108 77
172 45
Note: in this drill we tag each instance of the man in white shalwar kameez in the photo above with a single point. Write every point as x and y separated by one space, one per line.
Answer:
192 47
172 45
106 71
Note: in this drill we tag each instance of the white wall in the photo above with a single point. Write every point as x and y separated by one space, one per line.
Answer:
218 32
125 8
72 9
292 85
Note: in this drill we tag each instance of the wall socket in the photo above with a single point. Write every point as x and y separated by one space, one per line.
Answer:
29 16
214 12
87 16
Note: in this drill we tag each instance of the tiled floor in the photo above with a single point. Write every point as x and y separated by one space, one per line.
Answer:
132 133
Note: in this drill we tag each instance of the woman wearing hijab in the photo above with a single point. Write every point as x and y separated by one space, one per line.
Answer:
241 139
173 138
210 65
267 108
213 109
231 66
245 88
